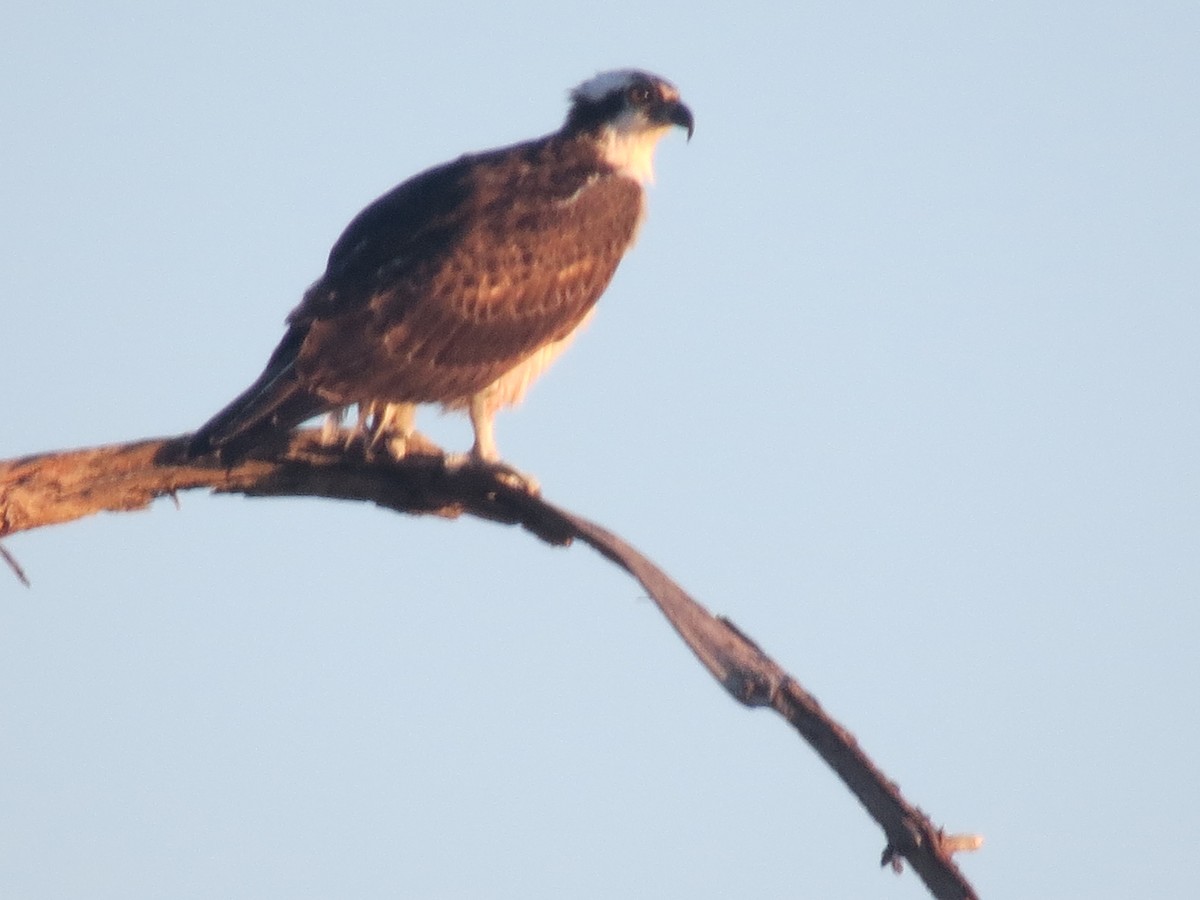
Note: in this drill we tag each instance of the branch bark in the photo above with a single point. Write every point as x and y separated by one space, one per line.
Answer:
53 488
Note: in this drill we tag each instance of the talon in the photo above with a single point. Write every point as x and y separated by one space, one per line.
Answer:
391 426
517 480
502 472
357 432
331 428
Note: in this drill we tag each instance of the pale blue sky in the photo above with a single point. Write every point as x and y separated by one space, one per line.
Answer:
902 376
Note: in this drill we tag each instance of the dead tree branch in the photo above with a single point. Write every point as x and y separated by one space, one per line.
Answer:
53 488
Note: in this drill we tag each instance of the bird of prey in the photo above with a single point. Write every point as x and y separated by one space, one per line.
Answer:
462 284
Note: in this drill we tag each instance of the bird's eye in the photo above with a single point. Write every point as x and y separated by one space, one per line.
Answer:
639 95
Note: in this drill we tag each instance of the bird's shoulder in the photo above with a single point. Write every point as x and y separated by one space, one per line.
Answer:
548 186
439 202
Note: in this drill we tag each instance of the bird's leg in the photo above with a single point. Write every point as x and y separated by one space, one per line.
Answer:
331 427
392 425
334 435
359 431
483 451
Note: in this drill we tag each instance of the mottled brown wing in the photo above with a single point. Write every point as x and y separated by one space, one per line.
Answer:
445 284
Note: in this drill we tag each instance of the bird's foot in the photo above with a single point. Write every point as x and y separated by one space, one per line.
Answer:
404 445
502 472
331 428
335 436
357 433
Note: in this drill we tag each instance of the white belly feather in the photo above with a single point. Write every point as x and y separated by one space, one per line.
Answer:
509 389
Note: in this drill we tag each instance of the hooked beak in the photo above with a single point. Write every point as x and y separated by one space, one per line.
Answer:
675 112
678 114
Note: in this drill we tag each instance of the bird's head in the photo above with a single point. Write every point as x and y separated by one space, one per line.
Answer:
627 111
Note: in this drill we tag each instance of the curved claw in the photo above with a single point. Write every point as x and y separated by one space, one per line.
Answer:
502 472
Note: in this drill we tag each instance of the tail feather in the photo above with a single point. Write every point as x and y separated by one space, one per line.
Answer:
253 419
270 407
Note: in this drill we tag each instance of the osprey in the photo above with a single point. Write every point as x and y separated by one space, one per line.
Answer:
461 285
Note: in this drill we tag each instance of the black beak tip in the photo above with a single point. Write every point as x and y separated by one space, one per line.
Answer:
682 116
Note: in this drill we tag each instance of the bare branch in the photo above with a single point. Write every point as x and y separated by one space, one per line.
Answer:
52 488
14 565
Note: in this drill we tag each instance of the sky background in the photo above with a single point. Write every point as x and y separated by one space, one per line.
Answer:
902 376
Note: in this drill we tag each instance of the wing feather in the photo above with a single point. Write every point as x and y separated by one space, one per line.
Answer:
445 284
441 286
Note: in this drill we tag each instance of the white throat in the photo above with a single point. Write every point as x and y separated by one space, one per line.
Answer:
631 150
